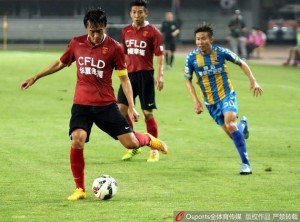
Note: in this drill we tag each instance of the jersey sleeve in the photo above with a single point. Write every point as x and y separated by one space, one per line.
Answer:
68 57
119 58
124 47
158 43
188 69
231 56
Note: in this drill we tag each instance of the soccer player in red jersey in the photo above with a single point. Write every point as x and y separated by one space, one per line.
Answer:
96 55
141 41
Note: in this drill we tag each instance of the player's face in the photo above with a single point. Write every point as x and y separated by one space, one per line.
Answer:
138 15
169 16
95 32
203 42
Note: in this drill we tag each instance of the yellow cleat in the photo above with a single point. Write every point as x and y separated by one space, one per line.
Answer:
78 194
153 157
131 153
157 144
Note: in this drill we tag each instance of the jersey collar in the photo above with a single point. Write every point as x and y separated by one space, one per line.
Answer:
88 40
144 25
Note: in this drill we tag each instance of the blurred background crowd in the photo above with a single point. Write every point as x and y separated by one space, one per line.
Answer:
246 26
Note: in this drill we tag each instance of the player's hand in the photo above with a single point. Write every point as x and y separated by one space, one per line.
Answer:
256 89
28 83
159 83
198 107
133 114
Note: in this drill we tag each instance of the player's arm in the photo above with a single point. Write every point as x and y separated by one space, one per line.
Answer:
160 73
53 68
127 89
197 104
176 32
254 86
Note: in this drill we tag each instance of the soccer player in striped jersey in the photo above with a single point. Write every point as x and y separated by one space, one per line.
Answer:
141 41
96 56
208 63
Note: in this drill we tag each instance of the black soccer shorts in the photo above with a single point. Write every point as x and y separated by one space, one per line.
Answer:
108 118
143 86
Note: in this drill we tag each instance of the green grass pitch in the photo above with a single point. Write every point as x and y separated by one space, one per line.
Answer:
199 174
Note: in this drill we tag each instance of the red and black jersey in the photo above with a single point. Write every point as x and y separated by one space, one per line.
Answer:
140 45
95 65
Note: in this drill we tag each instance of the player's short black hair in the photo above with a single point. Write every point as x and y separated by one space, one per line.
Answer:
95 16
139 3
204 28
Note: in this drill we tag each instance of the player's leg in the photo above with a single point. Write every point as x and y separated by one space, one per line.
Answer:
167 53
233 42
136 140
110 120
238 139
297 55
243 127
129 153
167 58
123 106
230 110
77 163
290 56
242 45
148 103
171 59
225 114
80 128
152 128
172 52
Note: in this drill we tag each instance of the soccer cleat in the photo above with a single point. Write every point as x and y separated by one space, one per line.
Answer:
153 157
157 144
131 153
78 194
246 130
246 169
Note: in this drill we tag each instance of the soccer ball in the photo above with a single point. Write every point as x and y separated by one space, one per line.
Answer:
105 187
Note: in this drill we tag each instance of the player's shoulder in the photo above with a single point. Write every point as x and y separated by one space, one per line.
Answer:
77 40
193 52
127 27
111 42
153 27
220 49
80 38
227 53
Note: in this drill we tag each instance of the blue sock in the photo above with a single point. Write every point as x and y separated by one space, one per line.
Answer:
240 145
241 126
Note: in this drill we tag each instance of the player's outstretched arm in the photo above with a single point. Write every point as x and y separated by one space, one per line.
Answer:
56 66
254 86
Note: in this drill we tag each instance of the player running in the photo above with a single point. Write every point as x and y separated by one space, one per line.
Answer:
208 63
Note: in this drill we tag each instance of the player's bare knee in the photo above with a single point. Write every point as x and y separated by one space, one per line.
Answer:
77 142
148 115
231 126
78 138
